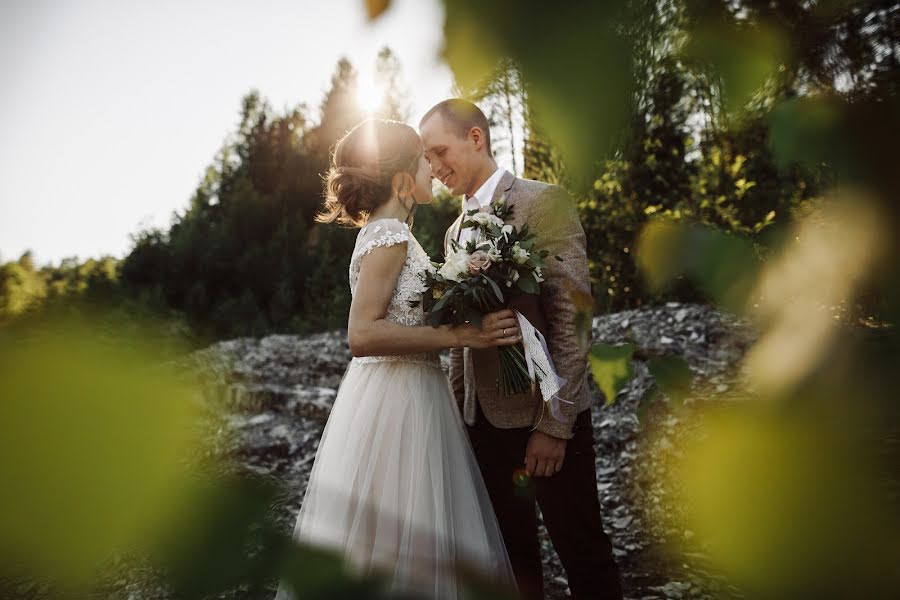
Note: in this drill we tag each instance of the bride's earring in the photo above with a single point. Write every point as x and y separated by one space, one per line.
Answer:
410 210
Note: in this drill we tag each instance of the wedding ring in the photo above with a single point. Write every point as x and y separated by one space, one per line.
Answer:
504 333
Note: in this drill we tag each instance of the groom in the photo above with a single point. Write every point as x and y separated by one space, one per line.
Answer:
525 454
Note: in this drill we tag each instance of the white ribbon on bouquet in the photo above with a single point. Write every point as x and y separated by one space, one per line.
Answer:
538 360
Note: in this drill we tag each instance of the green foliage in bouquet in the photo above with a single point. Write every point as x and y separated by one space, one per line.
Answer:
481 276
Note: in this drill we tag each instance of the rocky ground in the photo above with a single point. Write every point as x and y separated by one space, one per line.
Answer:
277 391
285 386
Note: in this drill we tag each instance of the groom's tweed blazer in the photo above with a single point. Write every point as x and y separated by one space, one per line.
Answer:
552 216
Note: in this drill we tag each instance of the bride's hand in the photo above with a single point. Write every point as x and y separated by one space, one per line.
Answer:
497 329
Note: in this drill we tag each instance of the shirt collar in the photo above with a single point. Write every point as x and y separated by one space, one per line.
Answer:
485 193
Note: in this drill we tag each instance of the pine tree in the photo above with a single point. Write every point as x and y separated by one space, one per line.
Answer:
389 78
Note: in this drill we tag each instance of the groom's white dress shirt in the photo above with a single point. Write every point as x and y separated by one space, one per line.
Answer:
480 199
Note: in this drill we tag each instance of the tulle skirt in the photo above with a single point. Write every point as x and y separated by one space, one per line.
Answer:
395 486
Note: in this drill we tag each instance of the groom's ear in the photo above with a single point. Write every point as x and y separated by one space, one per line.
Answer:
477 137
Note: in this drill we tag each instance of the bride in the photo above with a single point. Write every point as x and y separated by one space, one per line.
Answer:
395 486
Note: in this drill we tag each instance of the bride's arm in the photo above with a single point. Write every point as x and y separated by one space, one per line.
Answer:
370 334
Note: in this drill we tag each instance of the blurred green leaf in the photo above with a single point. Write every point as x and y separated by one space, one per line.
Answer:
580 84
660 253
774 492
92 440
803 130
206 551
316 573
611 368
743 56
724 266
672 375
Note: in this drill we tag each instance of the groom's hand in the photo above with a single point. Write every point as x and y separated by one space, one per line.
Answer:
544 454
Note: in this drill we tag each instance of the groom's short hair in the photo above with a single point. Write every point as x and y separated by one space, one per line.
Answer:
461 115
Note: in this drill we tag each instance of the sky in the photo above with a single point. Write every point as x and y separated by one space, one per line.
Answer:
111 110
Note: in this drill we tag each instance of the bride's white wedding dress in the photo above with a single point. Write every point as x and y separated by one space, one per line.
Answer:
395 486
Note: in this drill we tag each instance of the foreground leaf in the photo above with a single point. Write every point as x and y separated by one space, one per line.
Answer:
375 8
611 368
672 375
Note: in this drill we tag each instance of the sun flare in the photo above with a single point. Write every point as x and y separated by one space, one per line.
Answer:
370 92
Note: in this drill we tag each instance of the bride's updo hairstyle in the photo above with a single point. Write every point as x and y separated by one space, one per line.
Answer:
364 162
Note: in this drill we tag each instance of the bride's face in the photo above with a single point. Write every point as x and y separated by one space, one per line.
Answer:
423 193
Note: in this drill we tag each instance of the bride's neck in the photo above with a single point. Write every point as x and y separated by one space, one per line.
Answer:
392 209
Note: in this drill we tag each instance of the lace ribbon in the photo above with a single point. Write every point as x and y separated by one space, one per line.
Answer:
537 358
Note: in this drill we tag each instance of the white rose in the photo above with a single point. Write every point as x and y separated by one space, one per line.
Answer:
520 254
490 247
538 275
455 266
482 219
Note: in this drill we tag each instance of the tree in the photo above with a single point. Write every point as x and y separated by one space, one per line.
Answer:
502 97
241 258
389 78
339 110
22 289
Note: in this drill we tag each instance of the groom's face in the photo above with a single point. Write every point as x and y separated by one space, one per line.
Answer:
451 155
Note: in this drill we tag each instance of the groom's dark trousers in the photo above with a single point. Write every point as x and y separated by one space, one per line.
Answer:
568 502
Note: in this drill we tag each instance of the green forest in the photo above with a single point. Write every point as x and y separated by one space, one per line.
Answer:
245 258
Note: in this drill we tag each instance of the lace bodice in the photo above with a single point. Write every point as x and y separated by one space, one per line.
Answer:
410 284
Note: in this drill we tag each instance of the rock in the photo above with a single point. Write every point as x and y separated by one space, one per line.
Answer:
280 431
623 522
260 419
272 396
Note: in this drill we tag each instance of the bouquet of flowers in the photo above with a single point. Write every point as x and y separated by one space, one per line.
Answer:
477 278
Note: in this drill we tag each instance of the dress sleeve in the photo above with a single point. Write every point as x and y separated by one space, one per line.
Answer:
380 233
